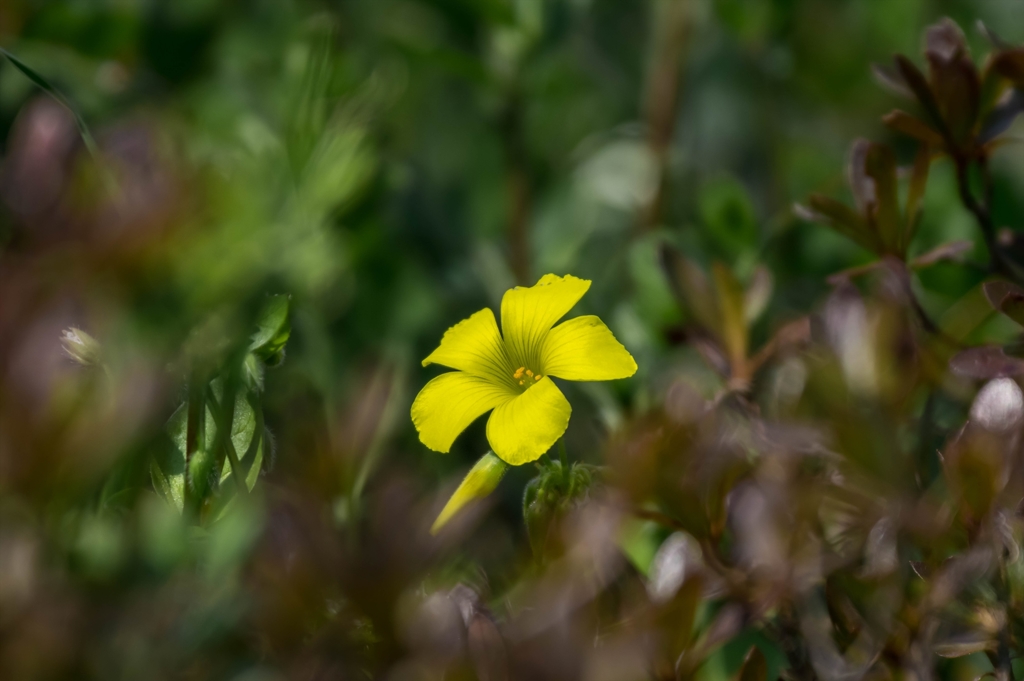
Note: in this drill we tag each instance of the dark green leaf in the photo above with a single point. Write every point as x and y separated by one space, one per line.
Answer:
728 218
47 87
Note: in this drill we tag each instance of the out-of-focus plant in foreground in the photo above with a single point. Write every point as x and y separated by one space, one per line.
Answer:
812 470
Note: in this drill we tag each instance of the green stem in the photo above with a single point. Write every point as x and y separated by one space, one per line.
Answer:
193 436
563 457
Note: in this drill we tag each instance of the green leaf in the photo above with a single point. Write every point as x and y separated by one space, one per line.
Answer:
246 438
252 373
272 329
49 89
727 213
167 468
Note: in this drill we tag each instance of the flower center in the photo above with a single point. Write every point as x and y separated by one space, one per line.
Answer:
525 377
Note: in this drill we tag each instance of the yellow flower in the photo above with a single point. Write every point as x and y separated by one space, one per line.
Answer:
512 374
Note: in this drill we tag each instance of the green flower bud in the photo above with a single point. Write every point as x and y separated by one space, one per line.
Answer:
549 497
478 483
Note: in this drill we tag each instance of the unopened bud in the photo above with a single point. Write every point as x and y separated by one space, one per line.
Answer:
80 346
478 483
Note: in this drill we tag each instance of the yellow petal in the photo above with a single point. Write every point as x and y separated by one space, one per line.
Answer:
528 313
475 346
478 483
523 428
584 349
449 403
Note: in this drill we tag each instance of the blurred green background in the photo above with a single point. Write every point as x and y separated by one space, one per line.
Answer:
393 166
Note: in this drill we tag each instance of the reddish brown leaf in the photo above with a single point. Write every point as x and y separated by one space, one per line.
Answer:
918 84
954 78
755 667
902 122
843 219
915 195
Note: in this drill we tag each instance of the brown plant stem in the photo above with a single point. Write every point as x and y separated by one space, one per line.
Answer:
1003 662
518 188
786 631
664 80
981 211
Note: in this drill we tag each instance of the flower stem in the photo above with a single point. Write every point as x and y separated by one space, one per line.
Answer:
563 457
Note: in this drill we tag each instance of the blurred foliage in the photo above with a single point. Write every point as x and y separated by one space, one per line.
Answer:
229 232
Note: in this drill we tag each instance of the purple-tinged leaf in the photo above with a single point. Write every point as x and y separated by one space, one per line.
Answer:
996 290
1002 116
985 362
945 41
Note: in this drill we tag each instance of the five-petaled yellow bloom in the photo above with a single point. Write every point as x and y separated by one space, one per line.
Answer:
512 373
